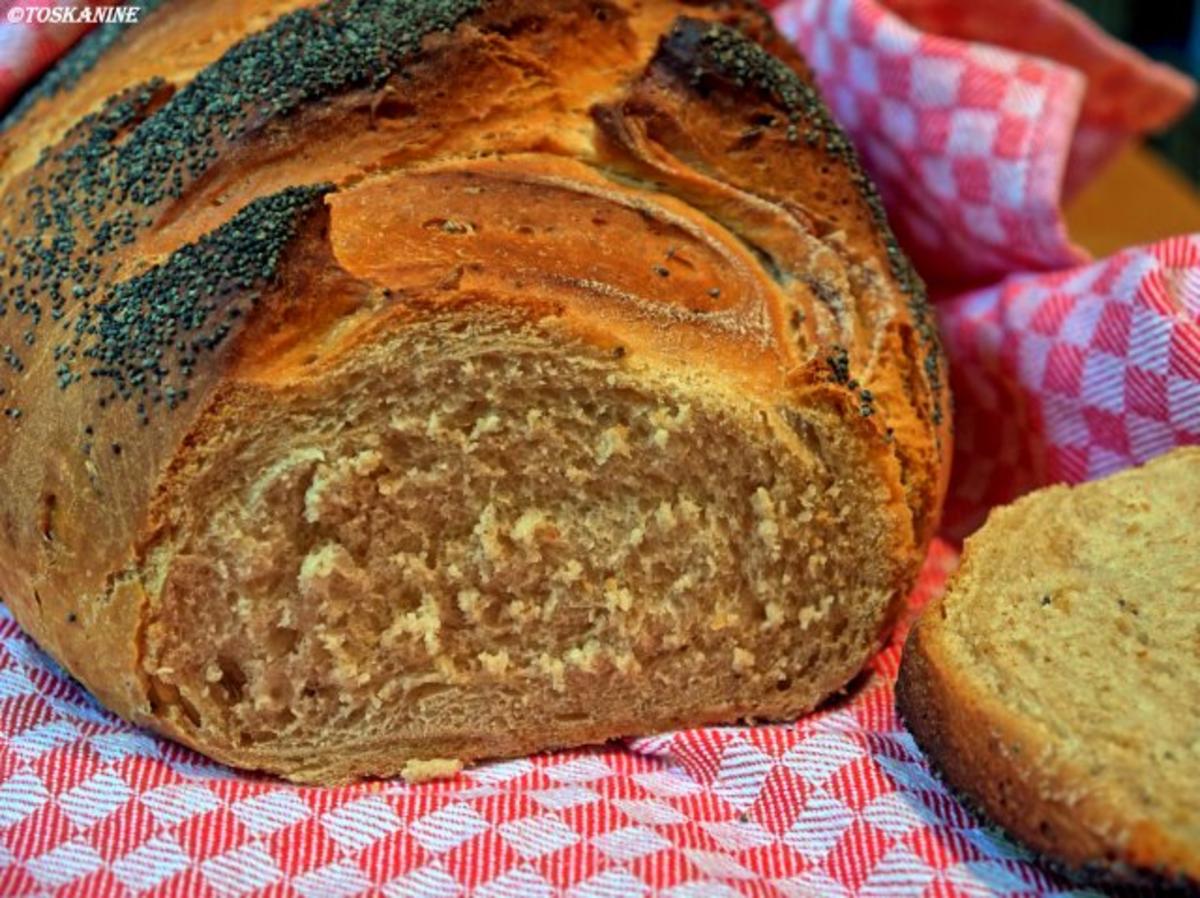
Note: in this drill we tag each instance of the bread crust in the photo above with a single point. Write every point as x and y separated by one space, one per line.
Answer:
1002 762
163 171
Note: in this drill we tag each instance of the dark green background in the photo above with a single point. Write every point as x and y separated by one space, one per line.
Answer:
1168 30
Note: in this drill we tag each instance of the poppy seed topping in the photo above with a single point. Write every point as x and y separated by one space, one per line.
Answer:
146 337
703 50
117 170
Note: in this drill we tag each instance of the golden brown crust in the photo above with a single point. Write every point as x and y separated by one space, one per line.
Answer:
981 749
976 745
729 130
1022 768
275 160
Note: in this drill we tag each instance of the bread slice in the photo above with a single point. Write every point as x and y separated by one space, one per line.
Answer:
1056 684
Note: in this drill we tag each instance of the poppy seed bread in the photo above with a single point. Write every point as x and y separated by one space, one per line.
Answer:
1056 683
394 384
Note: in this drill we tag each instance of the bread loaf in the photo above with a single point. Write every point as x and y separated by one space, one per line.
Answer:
389 385
1055 683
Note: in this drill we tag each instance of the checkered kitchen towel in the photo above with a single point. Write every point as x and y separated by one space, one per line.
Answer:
974 118
975 129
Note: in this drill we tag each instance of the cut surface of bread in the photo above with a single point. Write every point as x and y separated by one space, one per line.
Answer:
395 384
498 539
1056 684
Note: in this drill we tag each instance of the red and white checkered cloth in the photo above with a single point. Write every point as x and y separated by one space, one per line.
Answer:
975 119
1073 375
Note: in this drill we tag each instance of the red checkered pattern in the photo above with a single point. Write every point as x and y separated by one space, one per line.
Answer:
975 119
840 804
969 142
975 137
1073 375
1124 94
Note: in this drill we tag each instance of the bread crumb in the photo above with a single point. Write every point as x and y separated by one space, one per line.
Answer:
425 622
489 423
367 462
670 420
487 531
660 437
332 482
773 614
685 583
617 598
743 661
571 572
553 668
522 611
406 424
585 657
664 516
422 771
722 619
448 670
526 527
284 472
242 608
321 565
550 605
614 441
809 614
495 663
468 603
626 662
768 523
390 486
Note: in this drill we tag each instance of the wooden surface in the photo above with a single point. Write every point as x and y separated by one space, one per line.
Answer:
1138 199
